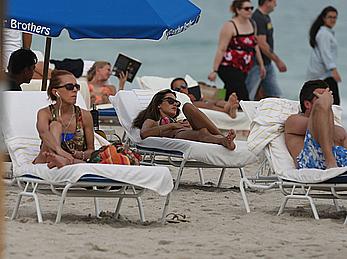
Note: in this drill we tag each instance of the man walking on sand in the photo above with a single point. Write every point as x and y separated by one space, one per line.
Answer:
311 137
266 44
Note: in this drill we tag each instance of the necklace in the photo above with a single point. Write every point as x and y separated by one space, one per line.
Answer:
66 126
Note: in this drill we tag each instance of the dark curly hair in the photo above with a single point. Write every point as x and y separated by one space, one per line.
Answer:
152 111
306 93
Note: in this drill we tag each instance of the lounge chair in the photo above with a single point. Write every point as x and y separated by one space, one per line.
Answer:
79 180
178 152
220 119
267 134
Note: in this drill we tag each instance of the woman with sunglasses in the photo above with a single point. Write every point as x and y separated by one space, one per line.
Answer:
236 51
99 87
159 120
65 129
322 64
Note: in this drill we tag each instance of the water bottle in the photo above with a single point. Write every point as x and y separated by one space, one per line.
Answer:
95 115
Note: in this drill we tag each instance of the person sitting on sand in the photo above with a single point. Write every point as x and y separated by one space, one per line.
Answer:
311 136
99 87
65 129
230 107
159 120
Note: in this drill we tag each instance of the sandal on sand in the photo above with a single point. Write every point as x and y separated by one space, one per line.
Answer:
176 218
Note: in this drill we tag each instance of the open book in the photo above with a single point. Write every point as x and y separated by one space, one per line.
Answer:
125 63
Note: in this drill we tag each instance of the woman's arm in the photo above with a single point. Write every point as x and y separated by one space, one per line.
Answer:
48 139
262 69
150 128
88 134
226 33
324 44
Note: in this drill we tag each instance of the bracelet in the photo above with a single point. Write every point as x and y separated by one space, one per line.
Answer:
83 155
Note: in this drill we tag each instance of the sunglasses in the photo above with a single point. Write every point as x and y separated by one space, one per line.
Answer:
70 86
178 88
172 101
248 8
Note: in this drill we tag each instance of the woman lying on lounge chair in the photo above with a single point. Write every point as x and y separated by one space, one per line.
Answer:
159 120
65 129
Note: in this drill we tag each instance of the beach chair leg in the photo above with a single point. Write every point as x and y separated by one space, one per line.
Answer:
283 205
221 177
96 205
140 205
179 174
141 212
243 194
38 210
165 209
313 207
61 202
119 204
16 208
338 209
201 176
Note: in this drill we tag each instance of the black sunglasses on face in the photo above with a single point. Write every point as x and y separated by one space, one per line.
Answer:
172 101
70 86
248 8
178 88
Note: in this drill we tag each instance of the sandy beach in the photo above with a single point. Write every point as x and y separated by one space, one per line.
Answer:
218 226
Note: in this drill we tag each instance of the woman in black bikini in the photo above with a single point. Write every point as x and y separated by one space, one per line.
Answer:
65 129
237 48
159 120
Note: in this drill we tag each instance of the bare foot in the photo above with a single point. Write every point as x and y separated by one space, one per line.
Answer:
234 105
229 140
55 160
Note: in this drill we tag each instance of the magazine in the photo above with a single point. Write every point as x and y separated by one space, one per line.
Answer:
125 63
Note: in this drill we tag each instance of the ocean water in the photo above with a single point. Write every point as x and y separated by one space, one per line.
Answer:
193 51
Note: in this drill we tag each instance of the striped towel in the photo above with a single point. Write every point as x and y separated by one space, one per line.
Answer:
269 122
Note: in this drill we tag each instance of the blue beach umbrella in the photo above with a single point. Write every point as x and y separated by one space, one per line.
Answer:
103 19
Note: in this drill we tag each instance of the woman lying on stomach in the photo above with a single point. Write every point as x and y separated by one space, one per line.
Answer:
159 120
65 129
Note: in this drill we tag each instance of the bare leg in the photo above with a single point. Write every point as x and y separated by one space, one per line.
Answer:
234 105
321 126
198 120
204 135
56 129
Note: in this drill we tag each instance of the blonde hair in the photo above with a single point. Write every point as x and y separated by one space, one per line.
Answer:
55 81
92 71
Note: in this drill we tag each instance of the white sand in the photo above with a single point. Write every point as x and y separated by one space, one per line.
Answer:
218 227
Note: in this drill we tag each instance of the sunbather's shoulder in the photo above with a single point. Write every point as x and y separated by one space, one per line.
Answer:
296 124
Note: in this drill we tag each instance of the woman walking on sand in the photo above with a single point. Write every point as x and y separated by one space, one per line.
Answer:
236 50
323 59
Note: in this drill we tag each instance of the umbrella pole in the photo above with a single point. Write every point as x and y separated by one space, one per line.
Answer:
46 63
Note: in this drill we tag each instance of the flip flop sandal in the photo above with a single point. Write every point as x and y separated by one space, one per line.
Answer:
176 218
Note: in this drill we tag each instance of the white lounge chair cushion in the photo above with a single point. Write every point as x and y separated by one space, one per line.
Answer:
22 141
268 117
221 119
128 104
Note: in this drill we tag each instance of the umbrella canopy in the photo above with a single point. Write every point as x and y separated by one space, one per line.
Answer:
139 19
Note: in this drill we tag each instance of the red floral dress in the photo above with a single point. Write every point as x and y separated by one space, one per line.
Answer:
241 51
